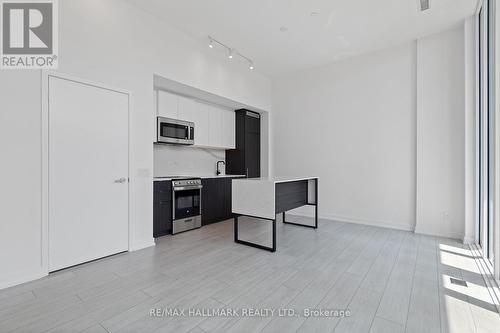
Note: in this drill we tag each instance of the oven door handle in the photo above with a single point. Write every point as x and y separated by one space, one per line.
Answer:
185 188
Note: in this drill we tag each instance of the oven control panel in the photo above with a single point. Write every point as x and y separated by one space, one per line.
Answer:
186 182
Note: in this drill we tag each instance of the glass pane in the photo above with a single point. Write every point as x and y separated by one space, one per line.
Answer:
486 130
187 203
174 131
480 127
184 202
491 133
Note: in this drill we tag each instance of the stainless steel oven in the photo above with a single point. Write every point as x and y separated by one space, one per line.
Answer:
186 204
175 131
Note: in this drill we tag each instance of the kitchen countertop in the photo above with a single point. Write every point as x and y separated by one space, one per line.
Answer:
157 179
276 180
257 196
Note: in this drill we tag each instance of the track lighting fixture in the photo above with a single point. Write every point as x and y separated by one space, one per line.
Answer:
231 53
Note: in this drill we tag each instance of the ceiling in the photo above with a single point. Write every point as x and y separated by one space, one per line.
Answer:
318 32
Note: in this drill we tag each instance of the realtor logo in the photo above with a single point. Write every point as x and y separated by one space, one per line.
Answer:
29 34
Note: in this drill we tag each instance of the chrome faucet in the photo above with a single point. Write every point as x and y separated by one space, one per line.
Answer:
218 171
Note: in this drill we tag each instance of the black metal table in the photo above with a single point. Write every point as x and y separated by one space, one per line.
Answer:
288 195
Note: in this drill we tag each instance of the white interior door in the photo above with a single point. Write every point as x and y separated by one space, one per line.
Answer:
88 172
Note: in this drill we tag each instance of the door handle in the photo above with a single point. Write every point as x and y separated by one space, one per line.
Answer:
121 180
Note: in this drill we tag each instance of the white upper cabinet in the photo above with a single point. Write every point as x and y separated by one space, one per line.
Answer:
167 104
214 127
215 134
195 112
228 129
222 128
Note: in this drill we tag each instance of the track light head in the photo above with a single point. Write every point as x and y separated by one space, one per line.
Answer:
251 65
424 5
210 43
231 54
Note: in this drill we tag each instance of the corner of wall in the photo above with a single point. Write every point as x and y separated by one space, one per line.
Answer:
139 245
441 186
22 277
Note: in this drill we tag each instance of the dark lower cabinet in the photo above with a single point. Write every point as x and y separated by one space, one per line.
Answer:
216 197
216 200
212 198
162 217
162 208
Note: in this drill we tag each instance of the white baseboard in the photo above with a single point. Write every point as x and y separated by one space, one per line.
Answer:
437 234
375 223
22 278
141 244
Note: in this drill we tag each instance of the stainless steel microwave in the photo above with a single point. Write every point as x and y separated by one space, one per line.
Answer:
175 131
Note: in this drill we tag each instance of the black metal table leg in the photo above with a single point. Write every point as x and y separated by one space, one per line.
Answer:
258 246
315 226
236 228
274 236
316 204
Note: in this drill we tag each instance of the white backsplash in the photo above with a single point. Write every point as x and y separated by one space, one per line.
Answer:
181 160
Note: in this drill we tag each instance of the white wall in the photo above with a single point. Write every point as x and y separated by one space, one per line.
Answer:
441 134
353 125
20 177
385 155
114 43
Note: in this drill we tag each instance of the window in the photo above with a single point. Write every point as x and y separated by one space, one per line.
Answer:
486 131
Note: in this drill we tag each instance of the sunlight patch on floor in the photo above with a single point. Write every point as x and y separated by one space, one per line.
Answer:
458 258
467 308
473 290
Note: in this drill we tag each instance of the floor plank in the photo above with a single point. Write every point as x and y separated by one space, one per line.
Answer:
386 281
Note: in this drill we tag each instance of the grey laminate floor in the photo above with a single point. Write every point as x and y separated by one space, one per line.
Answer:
389 280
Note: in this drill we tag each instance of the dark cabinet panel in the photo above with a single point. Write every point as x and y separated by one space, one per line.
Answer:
162 218
162 208
245 159
212 200
216 200
252 154
252 123
290 195
240 128
162 191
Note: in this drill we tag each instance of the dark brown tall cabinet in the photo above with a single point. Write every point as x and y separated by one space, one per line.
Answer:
245 159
